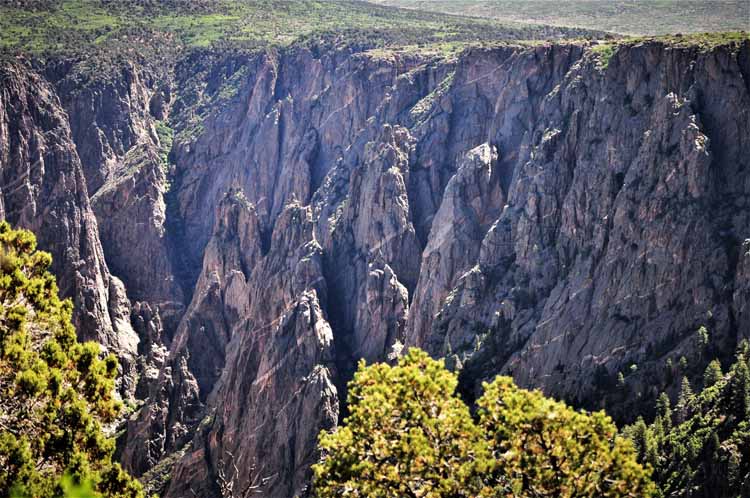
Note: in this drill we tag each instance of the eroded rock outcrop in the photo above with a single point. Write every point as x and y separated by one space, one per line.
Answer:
44 190
221 299
472 201
277 388
374 248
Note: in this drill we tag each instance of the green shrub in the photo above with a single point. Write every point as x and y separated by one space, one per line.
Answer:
55 392
604 53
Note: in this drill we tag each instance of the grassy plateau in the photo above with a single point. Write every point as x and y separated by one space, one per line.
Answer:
641 17
75 25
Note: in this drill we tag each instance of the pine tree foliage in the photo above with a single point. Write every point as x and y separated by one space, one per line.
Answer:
713 374
684 401
702 450
55 393
541 447
409 435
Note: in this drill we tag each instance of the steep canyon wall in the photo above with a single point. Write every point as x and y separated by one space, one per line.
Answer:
536 211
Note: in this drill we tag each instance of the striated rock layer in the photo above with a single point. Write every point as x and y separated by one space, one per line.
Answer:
534 211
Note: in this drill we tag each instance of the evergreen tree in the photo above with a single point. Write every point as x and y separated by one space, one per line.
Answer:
55 393
664 410
644 441
706 452
684 401
620 380
713 374
703 337
683 364
739 386
542 447
409 435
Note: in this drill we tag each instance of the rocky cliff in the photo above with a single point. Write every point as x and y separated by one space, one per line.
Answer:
545 211
44 189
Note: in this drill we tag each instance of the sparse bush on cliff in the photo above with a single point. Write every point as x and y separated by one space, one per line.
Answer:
408 434
55 393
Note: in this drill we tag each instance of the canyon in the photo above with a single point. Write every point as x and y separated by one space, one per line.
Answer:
241 228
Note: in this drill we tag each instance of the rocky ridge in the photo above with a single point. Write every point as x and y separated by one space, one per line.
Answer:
538 211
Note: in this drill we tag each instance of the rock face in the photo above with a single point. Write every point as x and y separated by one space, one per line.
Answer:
536 211
196 358
43 189
276 390
114 123
472 201
621 230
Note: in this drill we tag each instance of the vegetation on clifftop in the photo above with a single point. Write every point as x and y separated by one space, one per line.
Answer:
620 16
76 25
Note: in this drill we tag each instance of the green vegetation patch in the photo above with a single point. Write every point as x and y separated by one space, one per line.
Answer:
702 442
56 27
166 138
75 25
701 40
421 109
656 17
604 53
409 434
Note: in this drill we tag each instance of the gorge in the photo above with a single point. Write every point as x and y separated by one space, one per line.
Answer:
242 227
